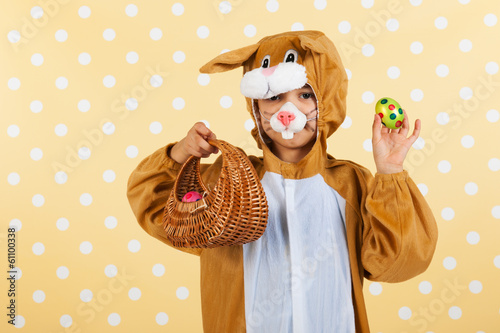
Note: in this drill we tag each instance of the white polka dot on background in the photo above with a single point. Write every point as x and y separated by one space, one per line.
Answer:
177 9
425 287
36 106
492 116
110 222
441 23
38 296
110 271
131 10
155 34
442 118
132 151
158 270
14 83
61 177
496 261
16 224
179 57
38 200
84 153
448 213
250 30
490 20
297 26
491 68
114 319
347 123
37 59
36 12
182 293
62 224
109 81
132 57
444 166
13 178
61 130
473 238
109 176
349 73
84 58
367 145
131 104
109 34
475 287
134 246
416 47
423 189
249 125
494 164
226 102
62 272
86 295
368 50
455 312
392 24
367 3
405 313
417 95
38 248
134 294
207 124
471 188
155 127
61 35
466 93
13 131
449 263
156 81
495 212
36 154
86 247
161 318
272 6
375 288
368 97
19 321
84 12
83 105
465 45
442 70
203 32
86 199
14 36
66 321
203 79
467 141
344 27
419 143
393 72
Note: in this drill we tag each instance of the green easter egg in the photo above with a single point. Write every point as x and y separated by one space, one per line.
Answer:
391 112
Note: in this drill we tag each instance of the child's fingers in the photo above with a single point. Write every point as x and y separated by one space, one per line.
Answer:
201 134
376 128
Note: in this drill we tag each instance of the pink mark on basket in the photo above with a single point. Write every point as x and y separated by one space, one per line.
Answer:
191 196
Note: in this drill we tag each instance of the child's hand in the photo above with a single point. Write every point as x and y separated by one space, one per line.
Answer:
195 143
391 146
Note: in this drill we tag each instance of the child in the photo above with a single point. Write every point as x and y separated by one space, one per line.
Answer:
331 223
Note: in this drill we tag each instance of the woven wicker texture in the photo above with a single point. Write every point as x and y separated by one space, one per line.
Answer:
234 212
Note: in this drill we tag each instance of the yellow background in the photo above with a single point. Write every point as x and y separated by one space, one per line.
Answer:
72 209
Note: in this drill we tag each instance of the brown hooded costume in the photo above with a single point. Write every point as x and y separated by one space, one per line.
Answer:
388 232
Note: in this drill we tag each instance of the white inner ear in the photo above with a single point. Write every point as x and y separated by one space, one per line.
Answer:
287 76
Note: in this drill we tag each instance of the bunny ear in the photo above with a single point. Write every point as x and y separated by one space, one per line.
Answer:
229 60
315 45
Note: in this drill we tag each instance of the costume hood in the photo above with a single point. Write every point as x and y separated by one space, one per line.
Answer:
288 56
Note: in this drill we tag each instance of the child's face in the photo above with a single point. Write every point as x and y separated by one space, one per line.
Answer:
305 100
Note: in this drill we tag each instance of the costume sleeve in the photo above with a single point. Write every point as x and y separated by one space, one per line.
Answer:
399 229
148 189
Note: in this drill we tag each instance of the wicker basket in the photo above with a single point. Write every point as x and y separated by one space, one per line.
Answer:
234 212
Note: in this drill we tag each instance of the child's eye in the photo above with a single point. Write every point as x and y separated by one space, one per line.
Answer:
306 95
274 98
